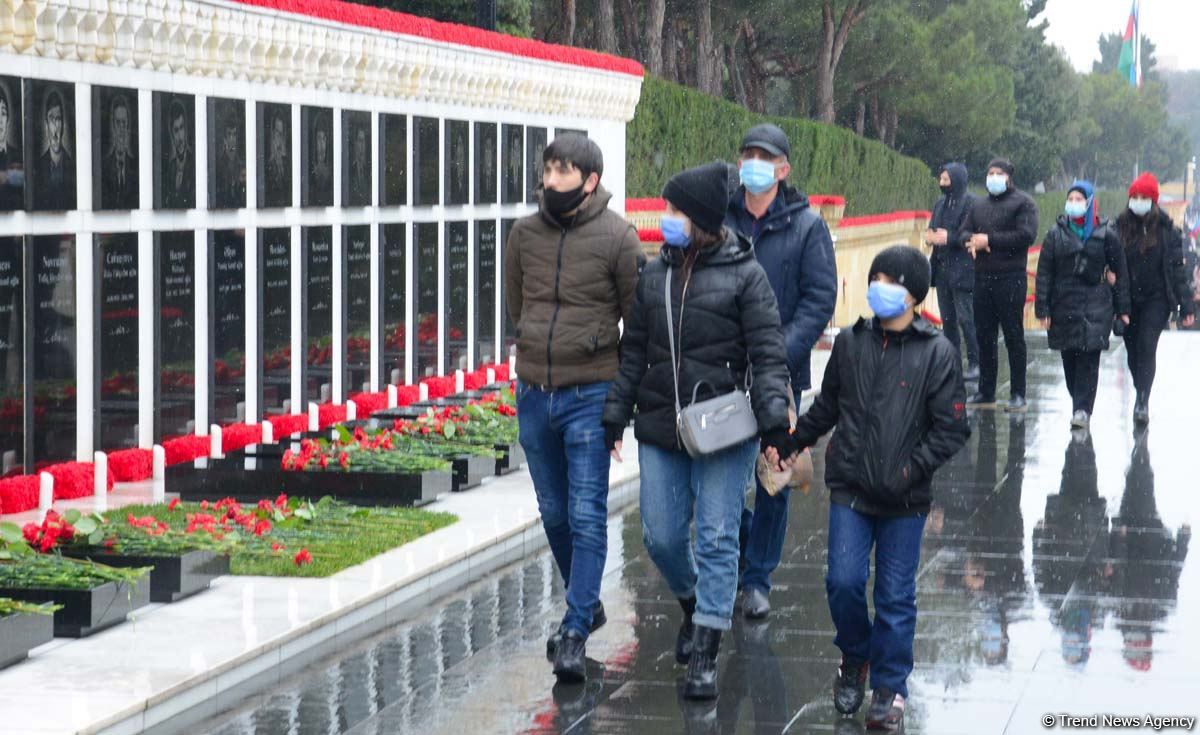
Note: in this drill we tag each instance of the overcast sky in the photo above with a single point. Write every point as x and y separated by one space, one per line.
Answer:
1173 26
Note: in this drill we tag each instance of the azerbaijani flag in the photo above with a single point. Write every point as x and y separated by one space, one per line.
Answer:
1130 64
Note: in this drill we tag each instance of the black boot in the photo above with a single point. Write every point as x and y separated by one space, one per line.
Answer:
701 680
570 661
599 618
850 685
683 642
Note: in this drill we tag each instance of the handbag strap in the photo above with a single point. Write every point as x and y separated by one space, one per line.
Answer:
671 339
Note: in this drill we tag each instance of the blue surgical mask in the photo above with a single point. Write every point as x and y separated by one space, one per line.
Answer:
887 300
757 176
997 185
1075 210
674 230
1140 207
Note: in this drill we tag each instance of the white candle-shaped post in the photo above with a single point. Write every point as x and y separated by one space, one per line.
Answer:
100 486
512 366
268 433
491 375
158 474
393 396
314 417
214 438
351 410
45 493
460 380
423 392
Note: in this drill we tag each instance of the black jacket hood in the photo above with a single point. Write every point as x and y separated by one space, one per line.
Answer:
958 178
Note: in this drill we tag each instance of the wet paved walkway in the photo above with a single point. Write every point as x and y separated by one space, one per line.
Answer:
1055 579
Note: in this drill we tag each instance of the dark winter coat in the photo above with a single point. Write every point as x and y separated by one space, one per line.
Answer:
566 288
1011 223
1072 290
1176 289
897 401
724 314
795 249
952 265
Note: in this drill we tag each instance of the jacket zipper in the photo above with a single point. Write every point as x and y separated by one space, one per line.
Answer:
562 239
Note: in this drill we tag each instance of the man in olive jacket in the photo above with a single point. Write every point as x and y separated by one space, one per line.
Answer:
570 274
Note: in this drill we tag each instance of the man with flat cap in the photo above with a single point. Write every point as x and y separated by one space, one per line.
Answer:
793 246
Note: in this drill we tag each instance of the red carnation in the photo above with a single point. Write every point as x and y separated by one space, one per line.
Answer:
262 527
173 504
303 557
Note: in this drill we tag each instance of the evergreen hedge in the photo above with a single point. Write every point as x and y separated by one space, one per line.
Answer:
1050 206
676 128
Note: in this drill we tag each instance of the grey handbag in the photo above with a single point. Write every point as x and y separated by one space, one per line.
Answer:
716 424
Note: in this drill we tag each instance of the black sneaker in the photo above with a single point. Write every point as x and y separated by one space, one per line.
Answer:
850 686
598 621
979 400
1016 404
886 712
570 660
972 374
756 604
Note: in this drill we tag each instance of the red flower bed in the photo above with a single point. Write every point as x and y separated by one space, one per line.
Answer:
407 395
368 403
19 494
237 436
282 426
328 414
501 371
76 479
475 380
186 448
440 387
131 465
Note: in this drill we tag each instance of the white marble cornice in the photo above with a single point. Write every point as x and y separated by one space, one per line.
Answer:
229 40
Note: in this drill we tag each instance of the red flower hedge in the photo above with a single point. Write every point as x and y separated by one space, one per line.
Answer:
407 395
475 380
131 465
186 448
501 371
328 414
440 387
19 494
76 479
368 403
282 426
238 436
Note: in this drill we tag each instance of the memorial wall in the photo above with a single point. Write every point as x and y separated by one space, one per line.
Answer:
211 212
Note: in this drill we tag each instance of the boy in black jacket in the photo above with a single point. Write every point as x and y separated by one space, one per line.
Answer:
894 390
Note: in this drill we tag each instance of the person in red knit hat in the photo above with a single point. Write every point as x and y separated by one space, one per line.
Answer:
1158 284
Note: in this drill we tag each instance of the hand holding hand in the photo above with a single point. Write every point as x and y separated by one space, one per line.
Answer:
1110 277
778 445
1188 322
1046 323
1125 319
612 440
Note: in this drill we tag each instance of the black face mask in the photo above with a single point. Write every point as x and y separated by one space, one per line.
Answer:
946 188
558 203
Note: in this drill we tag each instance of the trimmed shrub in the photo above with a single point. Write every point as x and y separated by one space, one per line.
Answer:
676 127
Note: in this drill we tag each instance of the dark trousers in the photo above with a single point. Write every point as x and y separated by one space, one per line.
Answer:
1147 321
1082 370
762 536
958 313
1000 306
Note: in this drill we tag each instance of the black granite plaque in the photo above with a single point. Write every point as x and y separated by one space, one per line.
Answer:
535 146
393 160
316 157
51 273
425 252
456 296
116 414
12 161
317 384
458 157
426 161
512 163
115 177
175 336
227 322
12 356
274 138
174 151
487 181
508 334
393 292
485 292
356 299
356 159
50 160
226 153
275 322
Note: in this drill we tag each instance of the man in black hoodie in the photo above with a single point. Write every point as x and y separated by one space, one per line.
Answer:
953 269
997 233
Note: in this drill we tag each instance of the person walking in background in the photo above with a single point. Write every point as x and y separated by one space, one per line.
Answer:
569 276
893 390
719 329
953 269
793 245
1158 284
997 233
1074 297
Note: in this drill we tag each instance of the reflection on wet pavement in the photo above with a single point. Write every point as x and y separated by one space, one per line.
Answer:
1054 579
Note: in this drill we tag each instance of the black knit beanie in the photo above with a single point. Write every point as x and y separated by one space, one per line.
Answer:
701 193
906 266
1003 164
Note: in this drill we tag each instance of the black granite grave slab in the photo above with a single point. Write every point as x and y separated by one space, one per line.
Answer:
457 172
512 164
274 149
356 300
426 161
86 612
393 292
457 305
174 151
487 159
116 362
535 145
426 288
316 157
226 153
115 164
485 292
175 334
227 318
13 171
50 274
12 355
393 160
50 162
275 317
22 632
317 315
357 180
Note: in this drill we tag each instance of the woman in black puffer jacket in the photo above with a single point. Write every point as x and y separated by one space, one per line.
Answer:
725 322
1074 295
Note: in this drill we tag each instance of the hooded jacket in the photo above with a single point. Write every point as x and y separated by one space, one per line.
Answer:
566 287
951 263
897 402
1010 221
793 245
1176 289
724 315
1071 286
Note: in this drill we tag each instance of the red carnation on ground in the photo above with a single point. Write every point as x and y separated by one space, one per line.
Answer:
173 504
303 557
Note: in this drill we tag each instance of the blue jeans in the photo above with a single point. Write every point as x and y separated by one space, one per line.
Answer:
675 488
764 530
888 644
563 439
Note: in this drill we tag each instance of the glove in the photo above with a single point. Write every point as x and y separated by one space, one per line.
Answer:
612 435
781 441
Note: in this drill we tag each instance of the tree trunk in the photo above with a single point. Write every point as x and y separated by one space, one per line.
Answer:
656 11
893 125
568 15
705 68
735 77
670 51
629 29
877 120
860 119
606 27
833 42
